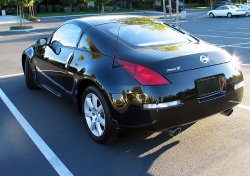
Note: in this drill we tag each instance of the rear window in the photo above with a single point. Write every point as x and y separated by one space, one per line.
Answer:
143 32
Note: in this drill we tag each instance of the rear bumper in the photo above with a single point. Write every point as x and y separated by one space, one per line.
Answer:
239 13
130 112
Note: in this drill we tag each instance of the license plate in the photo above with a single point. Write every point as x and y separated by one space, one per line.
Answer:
208 86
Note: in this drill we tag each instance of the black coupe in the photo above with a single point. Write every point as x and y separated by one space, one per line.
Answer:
134 72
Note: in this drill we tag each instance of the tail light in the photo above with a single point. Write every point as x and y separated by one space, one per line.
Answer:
142 74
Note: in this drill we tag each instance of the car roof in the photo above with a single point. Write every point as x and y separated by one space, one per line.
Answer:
104 19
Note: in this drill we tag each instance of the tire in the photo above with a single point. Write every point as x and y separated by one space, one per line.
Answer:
29 77
211 15
97 116
229 15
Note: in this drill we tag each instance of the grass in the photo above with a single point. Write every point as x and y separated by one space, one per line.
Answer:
48 14
20 27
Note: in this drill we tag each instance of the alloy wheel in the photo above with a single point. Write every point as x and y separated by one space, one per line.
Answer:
94 114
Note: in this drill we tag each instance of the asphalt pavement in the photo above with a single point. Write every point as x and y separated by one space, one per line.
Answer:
217 145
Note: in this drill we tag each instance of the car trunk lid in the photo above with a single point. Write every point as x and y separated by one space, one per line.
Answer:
177 58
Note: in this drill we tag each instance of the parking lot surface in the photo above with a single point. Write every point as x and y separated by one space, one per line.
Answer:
217 145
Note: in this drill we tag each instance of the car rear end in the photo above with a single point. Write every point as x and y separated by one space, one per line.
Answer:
237 11
196 92
197 86
180 78
246 7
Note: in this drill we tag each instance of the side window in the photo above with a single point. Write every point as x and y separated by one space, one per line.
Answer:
88 44
67 35
220 8
225 8
85 42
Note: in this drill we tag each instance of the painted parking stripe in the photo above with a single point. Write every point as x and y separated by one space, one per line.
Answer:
244 107
10 76
217 36
243 28
229 32
246 65
232 46
236 44
55 162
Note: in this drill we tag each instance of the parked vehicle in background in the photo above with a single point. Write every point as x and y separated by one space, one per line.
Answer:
226 11
245 7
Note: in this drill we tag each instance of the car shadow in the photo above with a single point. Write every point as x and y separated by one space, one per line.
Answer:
59 124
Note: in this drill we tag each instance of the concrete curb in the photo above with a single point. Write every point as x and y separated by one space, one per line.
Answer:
119 13
22 30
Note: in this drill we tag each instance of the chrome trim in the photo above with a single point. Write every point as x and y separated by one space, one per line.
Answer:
162 105
239 85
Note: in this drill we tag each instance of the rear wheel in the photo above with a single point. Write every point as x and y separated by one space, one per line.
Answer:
97 116
229 15
29 76
211 15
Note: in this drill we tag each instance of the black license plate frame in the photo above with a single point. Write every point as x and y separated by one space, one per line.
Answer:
208 86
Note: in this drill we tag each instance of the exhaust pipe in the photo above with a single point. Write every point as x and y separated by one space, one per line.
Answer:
227 112
174 131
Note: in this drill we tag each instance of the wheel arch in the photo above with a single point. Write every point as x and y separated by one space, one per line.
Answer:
27 54
81 87
24 57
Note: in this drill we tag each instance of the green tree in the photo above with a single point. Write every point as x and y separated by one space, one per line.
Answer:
69 3
153 2
130 2
30 4
3 3
100 3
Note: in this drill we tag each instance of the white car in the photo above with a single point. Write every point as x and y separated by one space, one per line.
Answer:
245 7
226 11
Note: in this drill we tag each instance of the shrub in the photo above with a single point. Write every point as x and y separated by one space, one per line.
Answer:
31 18
50 8
58 8
20 27
42 8
108 8
76 9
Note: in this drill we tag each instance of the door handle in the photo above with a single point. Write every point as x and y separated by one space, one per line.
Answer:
69 60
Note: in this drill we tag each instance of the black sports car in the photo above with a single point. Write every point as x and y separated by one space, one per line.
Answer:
130 72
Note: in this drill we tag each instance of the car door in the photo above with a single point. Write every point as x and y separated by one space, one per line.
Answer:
52 65
225 10
218 11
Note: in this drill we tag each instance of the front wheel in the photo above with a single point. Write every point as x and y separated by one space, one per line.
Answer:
97 116
229 15
211 15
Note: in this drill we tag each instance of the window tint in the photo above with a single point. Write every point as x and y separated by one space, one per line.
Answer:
220 8
225 8
67 35
149 34
87 43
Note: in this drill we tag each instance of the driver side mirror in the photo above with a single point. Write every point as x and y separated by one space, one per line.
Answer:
41 42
